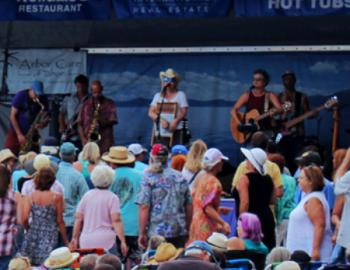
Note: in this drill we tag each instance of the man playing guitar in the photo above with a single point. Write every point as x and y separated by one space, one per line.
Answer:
70 109
169 94
257 98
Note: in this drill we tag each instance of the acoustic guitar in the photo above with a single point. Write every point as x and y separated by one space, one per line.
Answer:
251 119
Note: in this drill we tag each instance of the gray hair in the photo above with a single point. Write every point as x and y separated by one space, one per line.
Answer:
111 260
88 262
278 254
102 176
157 164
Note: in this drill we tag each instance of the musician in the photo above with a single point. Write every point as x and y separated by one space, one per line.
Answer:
169 94
70 108
292 142
257 98
25 106
102 111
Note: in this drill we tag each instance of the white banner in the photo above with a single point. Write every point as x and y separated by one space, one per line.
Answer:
55 68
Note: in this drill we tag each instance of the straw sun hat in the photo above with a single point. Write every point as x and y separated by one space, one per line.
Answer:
119 155
60 257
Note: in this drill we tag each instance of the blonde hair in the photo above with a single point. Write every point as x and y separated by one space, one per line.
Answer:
195 156
91 152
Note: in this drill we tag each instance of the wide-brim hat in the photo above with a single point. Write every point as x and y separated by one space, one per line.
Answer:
165 252
218 241
119 155
60 257
6 154
169 73
257 157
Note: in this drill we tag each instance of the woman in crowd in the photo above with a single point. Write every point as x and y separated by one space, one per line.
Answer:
206 198
194 161
7 218
98 221
285 204
309 223
90 158
170 94
249 235
20 171
254 193
45 208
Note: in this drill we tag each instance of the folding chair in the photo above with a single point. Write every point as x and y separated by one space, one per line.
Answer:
239 264
257 258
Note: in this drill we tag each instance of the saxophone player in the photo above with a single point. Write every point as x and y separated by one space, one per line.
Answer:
25 106
97 117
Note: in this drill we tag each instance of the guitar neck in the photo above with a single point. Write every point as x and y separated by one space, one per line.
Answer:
300 118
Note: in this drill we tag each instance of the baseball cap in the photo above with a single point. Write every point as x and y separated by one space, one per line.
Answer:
136 149
159 150
309 158
179 149
288 72
67 149
200 245
38 87
213 156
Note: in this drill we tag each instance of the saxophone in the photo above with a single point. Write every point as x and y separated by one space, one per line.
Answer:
94 134
32 136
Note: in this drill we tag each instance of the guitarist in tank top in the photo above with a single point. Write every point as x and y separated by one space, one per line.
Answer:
257 98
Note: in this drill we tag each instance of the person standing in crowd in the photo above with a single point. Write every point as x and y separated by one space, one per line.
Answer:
73 182
312 214
165 203
249 235
96 119
193 163
8 214
254 193
169 93
8 159
206 195
20 171
139 152
126 186
98 219
342 188
70 108
25 107
89 159
178 157
257 98
292 143
46 211
261 140
285 204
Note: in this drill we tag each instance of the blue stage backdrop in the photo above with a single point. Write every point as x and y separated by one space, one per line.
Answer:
213 82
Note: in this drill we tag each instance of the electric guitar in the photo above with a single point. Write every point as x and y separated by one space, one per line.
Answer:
249 122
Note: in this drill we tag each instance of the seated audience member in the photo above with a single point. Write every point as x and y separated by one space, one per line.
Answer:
193 163
61 258
197 255
285 204
8 159
20 263
97 218
45 208
165 252
88 262
20 171
178 157
309 224
278 255
249 235
139 152
109 259
153 244
89 159
218 241
104 266
313 158
288 265
300 256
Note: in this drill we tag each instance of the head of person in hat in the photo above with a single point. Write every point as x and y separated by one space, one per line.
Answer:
289 79
68 152
119 156
158 158
20 263
213 160
60 257
36 89
218 241
201 250
138 151
8 159
169 79
165 252
309 158
256 158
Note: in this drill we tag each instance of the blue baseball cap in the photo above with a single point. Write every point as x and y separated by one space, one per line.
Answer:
38 87
201 245
67 149
179 149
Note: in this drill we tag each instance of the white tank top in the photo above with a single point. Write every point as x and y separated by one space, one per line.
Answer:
301 230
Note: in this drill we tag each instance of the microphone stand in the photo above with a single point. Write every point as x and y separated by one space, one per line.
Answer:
158 115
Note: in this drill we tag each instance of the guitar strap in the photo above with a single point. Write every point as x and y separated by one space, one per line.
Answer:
266 101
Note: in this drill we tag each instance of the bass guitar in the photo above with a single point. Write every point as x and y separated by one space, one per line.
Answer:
249 122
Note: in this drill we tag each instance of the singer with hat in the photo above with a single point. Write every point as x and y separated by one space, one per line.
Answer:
25 106
169 93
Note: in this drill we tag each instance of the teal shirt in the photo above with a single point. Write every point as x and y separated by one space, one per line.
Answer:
16 175
286 203
140 166
126 185
257 247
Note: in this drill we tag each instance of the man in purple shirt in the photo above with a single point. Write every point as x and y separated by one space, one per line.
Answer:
26 105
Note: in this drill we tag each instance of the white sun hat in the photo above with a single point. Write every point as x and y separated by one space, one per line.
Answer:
257 158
